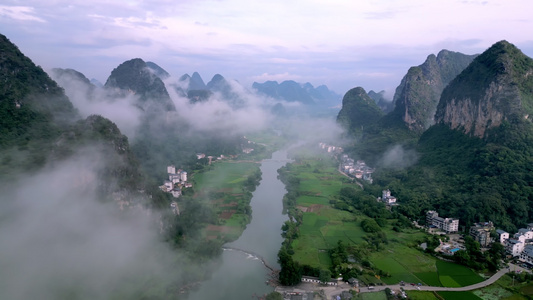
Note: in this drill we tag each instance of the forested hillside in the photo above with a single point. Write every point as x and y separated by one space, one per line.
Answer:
33 112
477 162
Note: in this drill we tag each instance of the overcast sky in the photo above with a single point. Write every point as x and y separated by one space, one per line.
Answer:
340 43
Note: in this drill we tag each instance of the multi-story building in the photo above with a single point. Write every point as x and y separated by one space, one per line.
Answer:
481 233
519 242
503 235
513 247
527 254
446 224
387 198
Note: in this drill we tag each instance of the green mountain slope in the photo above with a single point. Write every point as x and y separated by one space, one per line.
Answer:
476 163
33 110
39 125
358 111
418 94
135 77
496 87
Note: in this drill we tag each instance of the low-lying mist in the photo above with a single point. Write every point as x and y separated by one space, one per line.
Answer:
58 240
397 157
218 115
90 100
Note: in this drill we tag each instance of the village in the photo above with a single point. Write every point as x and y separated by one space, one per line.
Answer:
519 246
178 178
355 169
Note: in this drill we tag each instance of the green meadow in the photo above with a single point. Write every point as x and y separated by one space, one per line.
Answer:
224 175
323 226
221 186
418 295
373 296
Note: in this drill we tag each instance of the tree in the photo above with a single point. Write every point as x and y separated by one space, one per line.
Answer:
325 276
461 257
291 271
370 225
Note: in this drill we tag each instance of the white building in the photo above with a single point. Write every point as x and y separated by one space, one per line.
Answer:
524 235
527 254
503 235
171 169
387 198
517 244
175 178
176 192
513 247
169 186
446 224
175 208
183 176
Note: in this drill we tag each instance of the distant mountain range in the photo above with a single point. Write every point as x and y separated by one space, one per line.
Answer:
292 91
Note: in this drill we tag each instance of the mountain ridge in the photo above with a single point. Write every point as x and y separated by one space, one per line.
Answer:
416 98
134 76
495 88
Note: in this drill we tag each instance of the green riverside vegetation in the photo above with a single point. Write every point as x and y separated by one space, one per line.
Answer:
329 230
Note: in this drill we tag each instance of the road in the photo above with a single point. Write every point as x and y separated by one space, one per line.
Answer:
331 291
354 180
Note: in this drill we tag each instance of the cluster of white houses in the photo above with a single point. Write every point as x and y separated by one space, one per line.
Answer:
349 166
177 180
520 244
357 169
330 148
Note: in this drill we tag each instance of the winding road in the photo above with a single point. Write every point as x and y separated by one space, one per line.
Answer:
331 291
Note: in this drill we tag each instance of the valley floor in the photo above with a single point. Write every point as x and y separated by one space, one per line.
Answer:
331 291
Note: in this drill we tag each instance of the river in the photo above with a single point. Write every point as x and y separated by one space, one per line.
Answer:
241 276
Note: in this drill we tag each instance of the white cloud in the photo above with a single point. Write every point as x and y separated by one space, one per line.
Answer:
20 13
242 38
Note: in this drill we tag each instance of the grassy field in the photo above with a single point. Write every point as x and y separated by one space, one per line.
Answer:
454 275
221 186
418 295
323 226
503 289
224 175
458 296
412 266
320 231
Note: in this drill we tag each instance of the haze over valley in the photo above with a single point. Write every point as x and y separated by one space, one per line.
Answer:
223 149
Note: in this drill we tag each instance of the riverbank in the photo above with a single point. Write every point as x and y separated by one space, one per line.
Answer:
327 208
242 273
